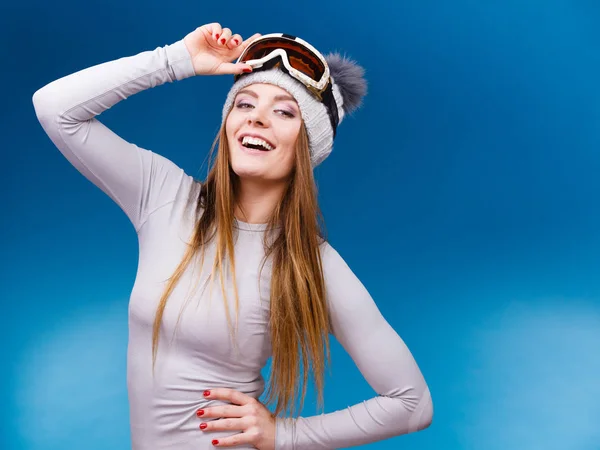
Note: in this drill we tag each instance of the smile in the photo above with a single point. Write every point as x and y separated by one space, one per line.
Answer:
254 141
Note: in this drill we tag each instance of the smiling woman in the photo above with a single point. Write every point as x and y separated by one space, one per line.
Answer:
194 373
262 131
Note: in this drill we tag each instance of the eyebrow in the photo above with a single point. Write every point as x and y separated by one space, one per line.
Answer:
276 98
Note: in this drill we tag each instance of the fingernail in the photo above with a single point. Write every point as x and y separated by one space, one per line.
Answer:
202 426
222 41
206 393
215 442
247 70
200 412
217 35
236 41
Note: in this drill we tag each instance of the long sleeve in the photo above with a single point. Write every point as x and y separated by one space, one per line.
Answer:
403 404
138 180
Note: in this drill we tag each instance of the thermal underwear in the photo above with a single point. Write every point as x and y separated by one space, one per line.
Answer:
199 354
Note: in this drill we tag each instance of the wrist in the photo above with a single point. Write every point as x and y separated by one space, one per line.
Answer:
180 60
284 433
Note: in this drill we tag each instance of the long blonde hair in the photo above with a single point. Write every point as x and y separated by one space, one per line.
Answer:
298 320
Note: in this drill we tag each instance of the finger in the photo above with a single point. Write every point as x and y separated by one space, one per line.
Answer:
225 35
221 411
236 439
224 425
235 41
234 69
236 44
215 30
230 395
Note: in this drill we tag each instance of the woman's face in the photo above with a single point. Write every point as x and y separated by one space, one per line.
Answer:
263 114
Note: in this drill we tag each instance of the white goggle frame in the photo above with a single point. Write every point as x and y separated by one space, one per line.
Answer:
318 86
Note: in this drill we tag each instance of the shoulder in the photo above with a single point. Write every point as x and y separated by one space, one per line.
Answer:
335 267
329 255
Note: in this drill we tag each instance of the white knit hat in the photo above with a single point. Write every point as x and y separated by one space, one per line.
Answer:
348 87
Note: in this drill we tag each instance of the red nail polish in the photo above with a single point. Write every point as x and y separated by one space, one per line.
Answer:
236 41
206 393
217 36
222 41
215 442
247 70
200 412
203 426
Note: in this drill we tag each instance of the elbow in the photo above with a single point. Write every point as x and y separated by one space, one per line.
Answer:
45 104
41 104
427 416
422 416
38 99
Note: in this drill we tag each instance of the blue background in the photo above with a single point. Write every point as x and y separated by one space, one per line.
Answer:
463 195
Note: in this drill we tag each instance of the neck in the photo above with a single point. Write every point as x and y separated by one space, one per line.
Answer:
256 200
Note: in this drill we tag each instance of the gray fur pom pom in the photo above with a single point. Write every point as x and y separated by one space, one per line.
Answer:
349 77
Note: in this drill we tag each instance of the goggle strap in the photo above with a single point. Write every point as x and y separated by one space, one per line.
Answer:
331 106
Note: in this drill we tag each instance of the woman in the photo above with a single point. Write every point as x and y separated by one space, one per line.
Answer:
194 361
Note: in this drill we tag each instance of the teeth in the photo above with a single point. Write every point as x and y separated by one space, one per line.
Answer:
256 141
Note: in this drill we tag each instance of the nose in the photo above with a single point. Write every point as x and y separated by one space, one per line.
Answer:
258 117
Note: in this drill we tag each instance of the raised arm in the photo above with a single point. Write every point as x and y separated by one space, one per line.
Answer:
138 180
403 404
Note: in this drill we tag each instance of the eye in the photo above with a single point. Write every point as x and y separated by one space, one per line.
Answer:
242 105
286 113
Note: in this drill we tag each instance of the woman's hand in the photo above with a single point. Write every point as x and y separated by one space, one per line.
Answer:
213 49
252 418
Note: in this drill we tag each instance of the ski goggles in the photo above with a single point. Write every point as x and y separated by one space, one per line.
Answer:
298 59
